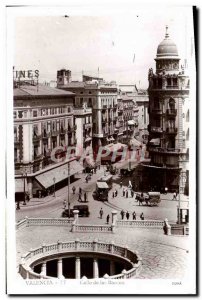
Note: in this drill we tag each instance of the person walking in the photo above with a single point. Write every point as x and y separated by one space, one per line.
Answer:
121 184
73 189
127 194
122 214
174 196
124 192
101 213
134 215
113 194
132 193
85 197
80 190
80 199
142 216
107 219
127 215
116 193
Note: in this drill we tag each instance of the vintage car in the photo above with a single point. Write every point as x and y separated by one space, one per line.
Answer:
83 211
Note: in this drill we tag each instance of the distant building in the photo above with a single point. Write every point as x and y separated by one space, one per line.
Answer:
43 122
127 118
168 121
96 94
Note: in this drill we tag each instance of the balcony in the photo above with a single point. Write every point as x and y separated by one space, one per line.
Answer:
164 150
171 130
172 87
171 112
82 111
156 129
36 138
157 111
54 133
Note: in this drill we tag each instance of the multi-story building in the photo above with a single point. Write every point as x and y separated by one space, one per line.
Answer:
43 124
168 120
142 99
101 97
127 118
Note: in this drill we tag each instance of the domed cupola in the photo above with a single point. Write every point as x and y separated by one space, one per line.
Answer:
167 55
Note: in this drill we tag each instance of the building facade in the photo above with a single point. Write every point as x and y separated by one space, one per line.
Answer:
101 97
43 123
168 120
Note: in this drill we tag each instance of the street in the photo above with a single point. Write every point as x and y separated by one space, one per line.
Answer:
51 206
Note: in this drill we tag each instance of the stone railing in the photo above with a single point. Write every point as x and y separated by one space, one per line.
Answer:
177 229
44 221
61 249
92 228
141 223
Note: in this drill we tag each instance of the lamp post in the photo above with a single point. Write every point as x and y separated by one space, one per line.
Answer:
68 200
54 186
24 177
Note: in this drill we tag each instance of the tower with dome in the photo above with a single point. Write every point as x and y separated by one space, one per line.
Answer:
168 128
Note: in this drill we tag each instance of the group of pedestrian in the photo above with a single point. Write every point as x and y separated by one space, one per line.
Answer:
80 195
101 215
126 193
127 214
114 193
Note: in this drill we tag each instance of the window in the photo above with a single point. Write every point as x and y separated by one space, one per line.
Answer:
15 114
20 114
34 113
69 109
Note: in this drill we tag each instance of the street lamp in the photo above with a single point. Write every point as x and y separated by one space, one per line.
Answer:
68 200
54 186
24 177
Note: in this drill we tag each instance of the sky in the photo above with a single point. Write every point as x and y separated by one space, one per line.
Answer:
122 45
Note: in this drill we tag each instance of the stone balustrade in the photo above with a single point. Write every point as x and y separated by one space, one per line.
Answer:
91 228
156 224
44 221
61 249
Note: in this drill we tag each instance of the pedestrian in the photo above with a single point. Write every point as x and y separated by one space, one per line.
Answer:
85 197
127 215
116 193
174 196
142 216
80 199
101 213
124 192
107 219
121 184
127 194
134 215
73 189
113 194
87 179
132 193
80 190
64 203
122 214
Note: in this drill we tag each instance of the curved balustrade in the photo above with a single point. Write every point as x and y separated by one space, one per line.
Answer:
62 248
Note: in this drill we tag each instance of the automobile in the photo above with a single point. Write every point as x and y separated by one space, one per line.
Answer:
83 211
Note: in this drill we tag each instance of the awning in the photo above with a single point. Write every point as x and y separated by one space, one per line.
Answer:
131 122
60 173
102 185
19 185
89 162
88 139
115 147
134 142
155 141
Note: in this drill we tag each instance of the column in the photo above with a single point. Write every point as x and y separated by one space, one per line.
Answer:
78 268
95 268
43 269
112 268
59 269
